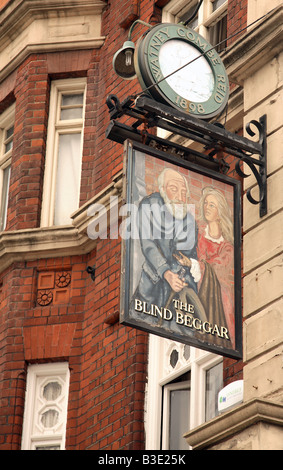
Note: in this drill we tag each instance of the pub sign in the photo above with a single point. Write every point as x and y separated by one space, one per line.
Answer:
181 256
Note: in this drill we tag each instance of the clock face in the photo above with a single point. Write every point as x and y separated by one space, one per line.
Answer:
194 82
179 67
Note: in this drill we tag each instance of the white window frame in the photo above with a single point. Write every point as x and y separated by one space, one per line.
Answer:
7 119
33 435
206 16
57 127
167 389
160 373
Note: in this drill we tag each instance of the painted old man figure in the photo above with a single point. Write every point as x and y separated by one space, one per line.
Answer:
167 228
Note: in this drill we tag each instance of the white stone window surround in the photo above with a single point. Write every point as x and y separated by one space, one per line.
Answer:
38 429
207 16
56 129
161 373
6 123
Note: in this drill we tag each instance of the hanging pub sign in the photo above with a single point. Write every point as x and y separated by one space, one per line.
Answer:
181 256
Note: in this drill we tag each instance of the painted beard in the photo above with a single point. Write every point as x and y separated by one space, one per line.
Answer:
178 209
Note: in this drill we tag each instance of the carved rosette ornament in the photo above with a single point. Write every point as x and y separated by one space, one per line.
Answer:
44 297
62 279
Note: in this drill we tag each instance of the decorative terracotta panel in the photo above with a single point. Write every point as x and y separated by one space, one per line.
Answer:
53 287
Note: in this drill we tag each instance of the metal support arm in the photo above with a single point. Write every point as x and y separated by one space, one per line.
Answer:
214 137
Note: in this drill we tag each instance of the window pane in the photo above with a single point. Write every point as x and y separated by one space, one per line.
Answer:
68 177
4 197
176 409
188 14
71 113
174 356
8 146
70 100
214 383
71 106
47 447
218 33
52 391
187 352
217 4
49 418
10 132
9 139
179 418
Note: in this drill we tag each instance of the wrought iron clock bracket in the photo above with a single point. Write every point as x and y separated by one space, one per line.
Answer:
216 140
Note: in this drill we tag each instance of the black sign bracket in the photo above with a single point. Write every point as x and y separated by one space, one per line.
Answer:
146 114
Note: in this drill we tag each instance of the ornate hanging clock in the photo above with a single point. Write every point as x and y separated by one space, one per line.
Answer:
179 67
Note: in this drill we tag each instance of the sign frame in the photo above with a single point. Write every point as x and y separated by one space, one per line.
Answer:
201 334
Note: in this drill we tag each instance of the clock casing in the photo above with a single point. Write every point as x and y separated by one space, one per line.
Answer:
177 66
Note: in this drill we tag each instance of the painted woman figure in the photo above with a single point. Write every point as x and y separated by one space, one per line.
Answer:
216 255
215 252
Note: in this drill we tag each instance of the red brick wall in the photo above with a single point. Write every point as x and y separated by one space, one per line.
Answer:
107 361
31 94
237 18
3 3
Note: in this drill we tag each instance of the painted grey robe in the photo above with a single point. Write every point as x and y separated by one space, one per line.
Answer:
162 235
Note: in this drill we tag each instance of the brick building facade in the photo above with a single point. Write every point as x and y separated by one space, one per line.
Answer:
52 311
